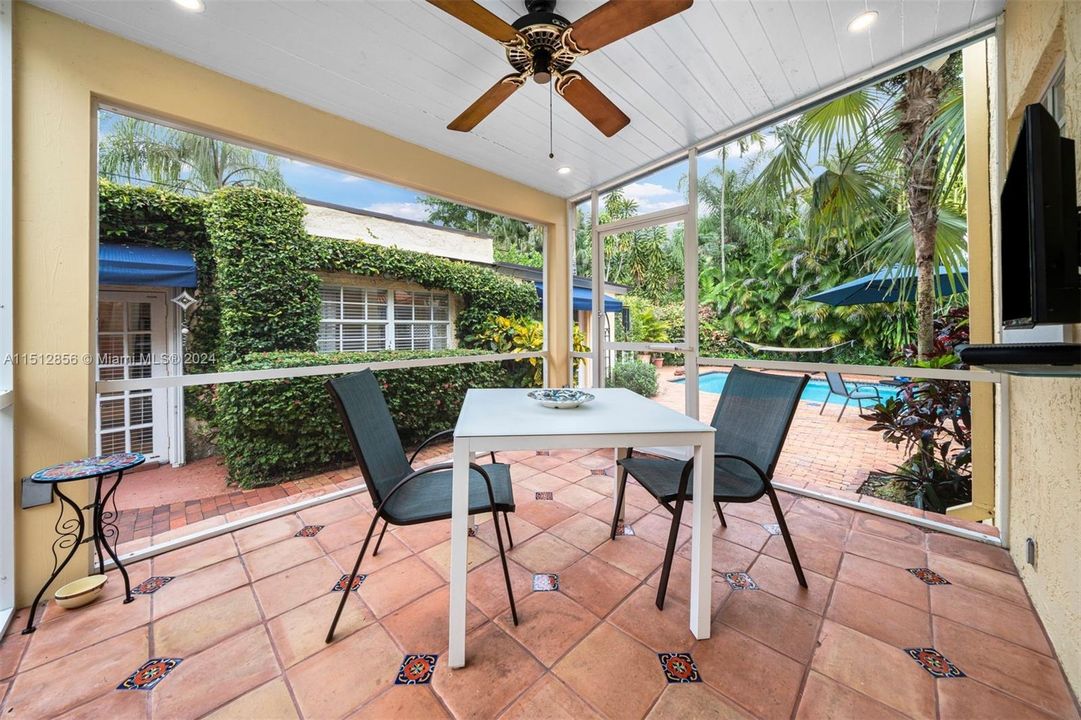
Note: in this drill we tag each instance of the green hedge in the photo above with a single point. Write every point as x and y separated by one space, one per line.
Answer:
269 296
271 430
485 292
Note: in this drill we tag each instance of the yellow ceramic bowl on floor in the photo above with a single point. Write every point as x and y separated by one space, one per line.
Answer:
81 592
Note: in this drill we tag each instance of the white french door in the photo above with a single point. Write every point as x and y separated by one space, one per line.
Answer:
132 344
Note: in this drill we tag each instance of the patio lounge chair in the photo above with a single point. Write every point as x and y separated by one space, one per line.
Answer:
752 421
400 494
838 387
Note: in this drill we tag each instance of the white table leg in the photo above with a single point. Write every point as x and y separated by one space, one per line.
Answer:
458 551
701 539
620 454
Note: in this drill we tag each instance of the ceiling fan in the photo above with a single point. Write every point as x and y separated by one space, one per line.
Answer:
544 45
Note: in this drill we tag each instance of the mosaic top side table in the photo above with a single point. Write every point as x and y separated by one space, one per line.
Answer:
71 532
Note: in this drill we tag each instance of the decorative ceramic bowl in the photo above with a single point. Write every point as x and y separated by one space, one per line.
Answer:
80 592
560 398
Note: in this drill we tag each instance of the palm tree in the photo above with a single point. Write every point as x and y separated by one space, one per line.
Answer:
186 162
880 172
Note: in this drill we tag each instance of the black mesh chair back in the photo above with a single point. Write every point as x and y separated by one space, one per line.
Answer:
754 414
372 433
837 384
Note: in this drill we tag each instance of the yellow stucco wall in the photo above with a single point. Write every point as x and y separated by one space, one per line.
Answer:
60 67
981 321
1045 414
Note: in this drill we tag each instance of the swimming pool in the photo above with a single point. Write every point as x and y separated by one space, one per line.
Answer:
816 390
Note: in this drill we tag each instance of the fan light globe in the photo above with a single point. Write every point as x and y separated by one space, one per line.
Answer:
862 21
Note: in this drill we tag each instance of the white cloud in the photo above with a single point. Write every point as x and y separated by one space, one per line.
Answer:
407 210
352 179
652 197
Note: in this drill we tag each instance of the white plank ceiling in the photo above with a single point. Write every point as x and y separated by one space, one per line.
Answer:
406 68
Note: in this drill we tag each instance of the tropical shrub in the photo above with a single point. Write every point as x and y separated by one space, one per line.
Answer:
268 293
517 334
638 377
271 430
932 418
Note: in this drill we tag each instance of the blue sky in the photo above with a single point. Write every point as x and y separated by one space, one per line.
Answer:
326 185
655 192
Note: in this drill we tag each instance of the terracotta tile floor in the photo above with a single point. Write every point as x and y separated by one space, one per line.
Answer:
246 614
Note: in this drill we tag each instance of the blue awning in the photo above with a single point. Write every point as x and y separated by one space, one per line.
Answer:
583 299
142 265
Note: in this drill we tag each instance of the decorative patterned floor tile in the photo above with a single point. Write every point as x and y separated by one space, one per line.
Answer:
772 528
679 667
543 495
416 670
151 585
471 531
740 581
308 531
929 576
340 585
149 674
934 662
545 582
622 529
544 452
597 471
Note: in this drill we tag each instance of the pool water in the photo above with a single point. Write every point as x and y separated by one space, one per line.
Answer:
816 390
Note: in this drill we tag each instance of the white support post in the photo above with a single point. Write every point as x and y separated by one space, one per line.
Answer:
459 549
7 410
702 539
690 287
597 324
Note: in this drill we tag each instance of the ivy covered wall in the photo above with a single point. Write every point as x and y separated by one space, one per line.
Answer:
259 307
257 285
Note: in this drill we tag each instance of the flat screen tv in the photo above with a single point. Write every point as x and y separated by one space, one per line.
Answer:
1041 248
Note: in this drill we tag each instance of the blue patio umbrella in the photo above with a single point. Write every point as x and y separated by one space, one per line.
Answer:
889 285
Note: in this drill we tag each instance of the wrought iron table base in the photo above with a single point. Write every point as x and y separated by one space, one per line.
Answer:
70 534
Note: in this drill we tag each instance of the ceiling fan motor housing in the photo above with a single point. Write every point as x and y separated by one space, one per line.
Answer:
544 53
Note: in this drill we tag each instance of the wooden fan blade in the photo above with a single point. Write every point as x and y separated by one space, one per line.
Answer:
591 102
479 17
619 18
486 103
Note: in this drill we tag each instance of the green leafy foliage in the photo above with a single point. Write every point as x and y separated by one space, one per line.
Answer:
271 430
150 216
187 162
514 241
638 377
520 334
485 292
269 295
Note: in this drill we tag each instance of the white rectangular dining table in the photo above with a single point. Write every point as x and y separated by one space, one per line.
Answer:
504 419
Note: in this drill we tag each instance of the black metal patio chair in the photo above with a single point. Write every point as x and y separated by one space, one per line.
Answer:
752 419
400 494
838 387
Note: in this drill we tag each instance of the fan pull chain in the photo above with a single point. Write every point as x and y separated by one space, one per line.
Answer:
551 131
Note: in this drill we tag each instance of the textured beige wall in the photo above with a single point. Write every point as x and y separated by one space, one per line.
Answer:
60 68
1045 505
345 225
1045 414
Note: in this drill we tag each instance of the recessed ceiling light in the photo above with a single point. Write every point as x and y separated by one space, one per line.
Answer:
191 5
564 170
862 21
